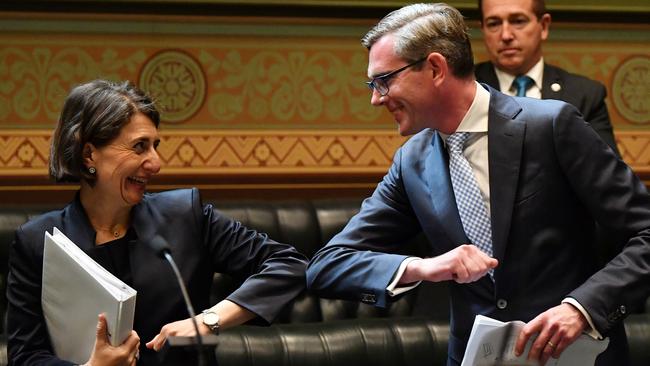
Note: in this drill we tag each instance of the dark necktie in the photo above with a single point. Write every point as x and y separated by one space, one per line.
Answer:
472 210
522 83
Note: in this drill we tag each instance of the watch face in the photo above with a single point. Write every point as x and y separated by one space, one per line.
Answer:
210 318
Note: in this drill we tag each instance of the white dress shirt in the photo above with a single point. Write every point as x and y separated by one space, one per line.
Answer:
536 73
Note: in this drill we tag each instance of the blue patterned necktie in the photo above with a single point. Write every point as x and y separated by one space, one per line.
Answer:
472 210
522 83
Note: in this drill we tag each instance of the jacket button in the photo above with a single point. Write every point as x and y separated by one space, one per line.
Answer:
502 304
368 298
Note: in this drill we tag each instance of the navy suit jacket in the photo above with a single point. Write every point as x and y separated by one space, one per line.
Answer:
585 94
551 179
202 242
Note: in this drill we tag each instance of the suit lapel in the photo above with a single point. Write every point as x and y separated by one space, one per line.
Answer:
552 84
505 145
485 74
145 264
146 229
77 227
442 193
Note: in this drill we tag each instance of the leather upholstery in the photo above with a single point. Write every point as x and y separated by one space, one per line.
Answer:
353 342
403 341
323 331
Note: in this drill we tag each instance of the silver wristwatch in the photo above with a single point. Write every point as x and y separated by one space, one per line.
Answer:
211 320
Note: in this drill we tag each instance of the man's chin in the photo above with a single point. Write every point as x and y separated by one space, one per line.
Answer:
404 131
510 66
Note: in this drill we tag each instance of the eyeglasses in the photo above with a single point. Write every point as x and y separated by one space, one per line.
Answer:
380 83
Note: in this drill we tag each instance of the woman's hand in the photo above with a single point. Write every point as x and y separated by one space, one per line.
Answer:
230 314
183 328
125 354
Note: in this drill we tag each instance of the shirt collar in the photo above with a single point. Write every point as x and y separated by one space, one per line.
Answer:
475 120
536 73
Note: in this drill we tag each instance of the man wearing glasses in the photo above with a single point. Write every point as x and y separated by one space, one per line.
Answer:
513 32
506 189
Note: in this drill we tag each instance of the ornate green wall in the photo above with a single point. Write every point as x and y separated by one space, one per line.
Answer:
259 104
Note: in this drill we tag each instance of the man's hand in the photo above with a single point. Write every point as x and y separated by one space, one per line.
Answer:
463 264
558 327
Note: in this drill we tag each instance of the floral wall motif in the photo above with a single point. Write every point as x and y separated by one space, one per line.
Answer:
265 97
34 78
631 89
214 83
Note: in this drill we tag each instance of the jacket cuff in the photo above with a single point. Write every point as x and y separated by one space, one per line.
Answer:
592 332
393 288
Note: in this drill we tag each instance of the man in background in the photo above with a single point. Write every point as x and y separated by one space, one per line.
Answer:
513 32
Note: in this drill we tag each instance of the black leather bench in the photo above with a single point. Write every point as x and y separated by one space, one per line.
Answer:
315 331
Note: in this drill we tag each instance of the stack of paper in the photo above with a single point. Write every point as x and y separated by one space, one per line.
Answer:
492 342
75 290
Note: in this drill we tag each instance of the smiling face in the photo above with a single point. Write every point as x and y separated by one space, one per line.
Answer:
407 99
125 165
513 34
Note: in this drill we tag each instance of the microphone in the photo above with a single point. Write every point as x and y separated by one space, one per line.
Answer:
159 245
162 249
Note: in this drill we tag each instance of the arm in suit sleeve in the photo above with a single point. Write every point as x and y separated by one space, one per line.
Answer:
273 273
620 203
595 110
28 339
356 264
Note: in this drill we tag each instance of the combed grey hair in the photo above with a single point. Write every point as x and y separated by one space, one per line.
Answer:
420 29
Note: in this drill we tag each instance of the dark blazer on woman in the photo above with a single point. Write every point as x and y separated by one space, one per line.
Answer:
583 93
202 242
551 178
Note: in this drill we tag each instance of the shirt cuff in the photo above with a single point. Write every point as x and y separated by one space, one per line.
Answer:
591 332
393 288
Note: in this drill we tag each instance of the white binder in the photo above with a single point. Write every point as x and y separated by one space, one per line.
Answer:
76 289
490 336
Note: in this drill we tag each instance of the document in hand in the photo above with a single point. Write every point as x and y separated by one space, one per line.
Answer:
493 342
75 290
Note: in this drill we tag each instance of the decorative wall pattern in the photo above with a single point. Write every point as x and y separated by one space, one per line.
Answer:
212 83
177 81
631 89
263 98
288 82
223 153
227 152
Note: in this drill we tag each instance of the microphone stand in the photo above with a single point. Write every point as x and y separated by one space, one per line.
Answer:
190 309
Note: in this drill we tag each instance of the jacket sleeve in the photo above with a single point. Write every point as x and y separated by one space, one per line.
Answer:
273 273
360 262
595 112
28 339
620 203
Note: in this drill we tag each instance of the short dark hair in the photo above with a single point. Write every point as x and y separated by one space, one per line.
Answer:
539 8
420 29
94 112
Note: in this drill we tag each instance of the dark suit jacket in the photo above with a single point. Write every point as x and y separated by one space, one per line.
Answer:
202 242
551 178
585 94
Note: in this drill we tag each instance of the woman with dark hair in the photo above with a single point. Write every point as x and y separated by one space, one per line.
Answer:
106 140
